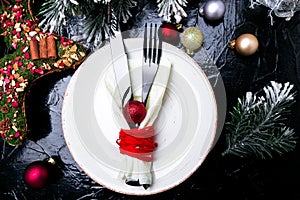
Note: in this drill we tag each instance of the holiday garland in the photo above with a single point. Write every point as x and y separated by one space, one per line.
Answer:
26 63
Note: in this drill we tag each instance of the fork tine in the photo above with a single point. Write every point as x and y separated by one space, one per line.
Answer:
145 44
150 44
150 67
154 46
159 51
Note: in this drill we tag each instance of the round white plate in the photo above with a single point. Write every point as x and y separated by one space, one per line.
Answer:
185 128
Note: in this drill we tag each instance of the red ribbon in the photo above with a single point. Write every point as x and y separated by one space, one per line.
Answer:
137 143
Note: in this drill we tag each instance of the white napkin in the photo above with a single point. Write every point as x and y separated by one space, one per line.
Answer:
135 169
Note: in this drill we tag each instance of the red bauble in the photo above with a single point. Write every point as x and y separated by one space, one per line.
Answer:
169 33
134 111
37 174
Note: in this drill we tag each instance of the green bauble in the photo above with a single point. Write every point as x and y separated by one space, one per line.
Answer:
192 39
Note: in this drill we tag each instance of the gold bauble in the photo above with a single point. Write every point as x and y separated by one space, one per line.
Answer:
246 44
192 39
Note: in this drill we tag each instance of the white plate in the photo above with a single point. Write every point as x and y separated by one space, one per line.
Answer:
185 128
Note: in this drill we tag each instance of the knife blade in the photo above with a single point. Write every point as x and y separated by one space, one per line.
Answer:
121 69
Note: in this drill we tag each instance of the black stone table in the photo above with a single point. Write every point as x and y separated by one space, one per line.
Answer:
219 177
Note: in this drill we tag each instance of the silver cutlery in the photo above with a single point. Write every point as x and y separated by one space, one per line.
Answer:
121 69
152 50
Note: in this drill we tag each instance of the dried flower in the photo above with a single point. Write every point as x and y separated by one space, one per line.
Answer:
5 109
4 126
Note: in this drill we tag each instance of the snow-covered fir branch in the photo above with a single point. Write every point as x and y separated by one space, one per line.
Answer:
99 17
257 123
171 8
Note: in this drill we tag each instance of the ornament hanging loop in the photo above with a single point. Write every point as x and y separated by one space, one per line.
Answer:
232 44
50 160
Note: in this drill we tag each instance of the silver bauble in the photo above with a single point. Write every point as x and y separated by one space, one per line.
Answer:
213 10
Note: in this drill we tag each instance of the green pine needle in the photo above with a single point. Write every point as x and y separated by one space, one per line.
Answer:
121 8
97 25
257 123
100 18
55 13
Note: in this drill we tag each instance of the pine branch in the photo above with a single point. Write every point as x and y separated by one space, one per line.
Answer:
97 26
55 14
257 123
100 18
122 8
171 8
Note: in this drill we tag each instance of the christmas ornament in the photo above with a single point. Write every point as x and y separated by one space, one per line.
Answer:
38 174
170 32
192 39
246 44
213 10
134 111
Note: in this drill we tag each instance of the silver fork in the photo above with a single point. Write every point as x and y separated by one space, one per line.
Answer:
151 60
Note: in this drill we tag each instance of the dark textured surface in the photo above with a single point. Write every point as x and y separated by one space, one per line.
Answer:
219 177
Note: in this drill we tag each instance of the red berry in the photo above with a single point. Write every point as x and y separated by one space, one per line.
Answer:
134 111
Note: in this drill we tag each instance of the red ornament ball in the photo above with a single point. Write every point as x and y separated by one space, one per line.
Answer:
169 32
134 111
36 174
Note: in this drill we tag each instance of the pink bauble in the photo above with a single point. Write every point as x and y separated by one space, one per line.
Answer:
36 174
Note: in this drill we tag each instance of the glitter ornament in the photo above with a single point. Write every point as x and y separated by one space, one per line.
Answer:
192 39
134 112
213 10
246 44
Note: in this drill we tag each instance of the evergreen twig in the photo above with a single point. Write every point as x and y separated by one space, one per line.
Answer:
55 14
122 9
257 123
172 8
97 27
100 18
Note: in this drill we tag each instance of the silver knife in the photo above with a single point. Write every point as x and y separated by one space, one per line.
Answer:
121 69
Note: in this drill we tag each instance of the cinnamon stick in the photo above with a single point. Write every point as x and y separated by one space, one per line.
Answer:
51 47
43 48
34 49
